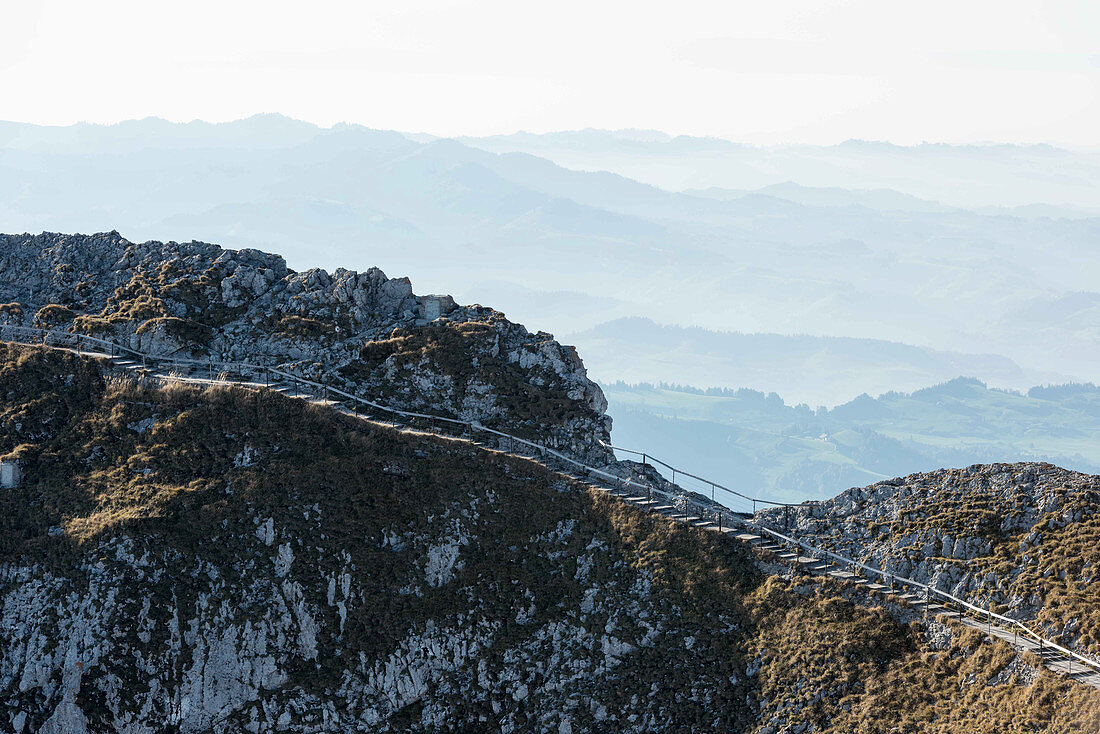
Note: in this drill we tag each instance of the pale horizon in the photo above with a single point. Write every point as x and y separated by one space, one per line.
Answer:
791 73
670 135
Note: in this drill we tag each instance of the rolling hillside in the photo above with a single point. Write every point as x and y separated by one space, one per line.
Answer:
756 442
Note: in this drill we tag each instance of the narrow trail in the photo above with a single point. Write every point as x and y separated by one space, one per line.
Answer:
742 526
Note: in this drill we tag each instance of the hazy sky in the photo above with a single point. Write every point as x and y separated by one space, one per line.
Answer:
779 71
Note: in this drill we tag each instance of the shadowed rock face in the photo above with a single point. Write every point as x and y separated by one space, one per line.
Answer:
363 331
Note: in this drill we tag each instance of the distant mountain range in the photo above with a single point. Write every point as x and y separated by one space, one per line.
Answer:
803 369
887 200
957 175
748 440
570 249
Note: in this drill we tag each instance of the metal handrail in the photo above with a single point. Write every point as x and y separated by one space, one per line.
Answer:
475 425
242 367
712 484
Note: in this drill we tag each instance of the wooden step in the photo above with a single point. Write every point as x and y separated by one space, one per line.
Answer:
843 575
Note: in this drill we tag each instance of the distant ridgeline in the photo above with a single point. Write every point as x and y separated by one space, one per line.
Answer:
796 452
362 331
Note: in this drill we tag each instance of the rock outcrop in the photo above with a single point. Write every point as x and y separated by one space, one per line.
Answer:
362 331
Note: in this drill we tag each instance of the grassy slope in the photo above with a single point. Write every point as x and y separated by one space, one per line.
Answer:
164 467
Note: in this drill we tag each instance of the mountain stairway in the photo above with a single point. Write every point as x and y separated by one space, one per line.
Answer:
739 525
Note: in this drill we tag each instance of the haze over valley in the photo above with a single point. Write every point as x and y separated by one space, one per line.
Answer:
513 226
774 272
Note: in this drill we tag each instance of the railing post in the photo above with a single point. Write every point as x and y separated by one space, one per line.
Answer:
719 521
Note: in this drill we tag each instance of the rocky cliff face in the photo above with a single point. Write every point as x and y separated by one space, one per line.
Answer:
1022 539
226 560
232 561
362 331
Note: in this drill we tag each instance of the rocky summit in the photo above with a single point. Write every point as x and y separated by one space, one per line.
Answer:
182 557
362 332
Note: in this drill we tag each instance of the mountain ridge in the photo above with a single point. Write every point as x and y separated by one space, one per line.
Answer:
361 331
357 576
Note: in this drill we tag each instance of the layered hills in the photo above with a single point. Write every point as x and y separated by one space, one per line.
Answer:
487 225
759 442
